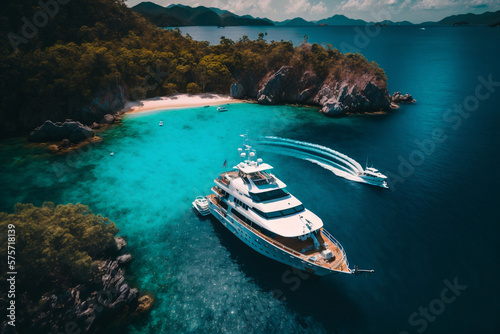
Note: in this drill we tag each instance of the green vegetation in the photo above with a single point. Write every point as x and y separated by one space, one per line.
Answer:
92 55
56 246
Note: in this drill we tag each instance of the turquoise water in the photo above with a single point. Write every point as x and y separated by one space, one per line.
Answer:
439 224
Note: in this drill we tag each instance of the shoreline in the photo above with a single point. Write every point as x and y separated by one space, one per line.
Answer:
177 101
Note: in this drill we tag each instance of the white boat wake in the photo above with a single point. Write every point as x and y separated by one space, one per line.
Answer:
339 164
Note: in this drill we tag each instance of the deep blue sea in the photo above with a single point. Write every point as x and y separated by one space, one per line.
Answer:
432 238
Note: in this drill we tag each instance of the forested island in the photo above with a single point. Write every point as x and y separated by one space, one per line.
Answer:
70 272
92 56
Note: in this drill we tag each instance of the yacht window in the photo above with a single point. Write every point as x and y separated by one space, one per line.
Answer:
269 195
223 204
288 211
239 215
274 214
282 213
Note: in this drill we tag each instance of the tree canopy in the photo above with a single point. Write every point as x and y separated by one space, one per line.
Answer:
56 245
94 54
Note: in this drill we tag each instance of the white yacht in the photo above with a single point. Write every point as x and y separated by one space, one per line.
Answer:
372 176
161 123
201 206
221 108
255 206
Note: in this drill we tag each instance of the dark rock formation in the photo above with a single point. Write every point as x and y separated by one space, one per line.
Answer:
275 87
124 259
108 118
65 143
87 306
351 94
49 131
237 91
397 97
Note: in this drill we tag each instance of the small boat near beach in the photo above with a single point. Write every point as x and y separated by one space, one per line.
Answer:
161 123
221 109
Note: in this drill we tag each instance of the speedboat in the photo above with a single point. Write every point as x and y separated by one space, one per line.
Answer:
221 109
372 176
201 206
206 106
257 208
161 123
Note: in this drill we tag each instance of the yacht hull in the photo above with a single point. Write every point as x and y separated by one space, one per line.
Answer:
375 182
266 248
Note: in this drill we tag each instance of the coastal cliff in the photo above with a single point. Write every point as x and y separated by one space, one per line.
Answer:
87 65
335 96
71 272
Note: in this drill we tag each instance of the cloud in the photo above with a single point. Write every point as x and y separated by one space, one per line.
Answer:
433 4
367 5
319 8
297 6
304 7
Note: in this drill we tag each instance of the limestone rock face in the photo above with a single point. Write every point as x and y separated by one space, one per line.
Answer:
90 305
120 243
123 259
397 97
50 131
353 94
275 87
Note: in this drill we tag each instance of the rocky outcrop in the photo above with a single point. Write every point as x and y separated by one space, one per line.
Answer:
237 91
109 119
350 95
397 97
71 130
124 259
120 243
95 304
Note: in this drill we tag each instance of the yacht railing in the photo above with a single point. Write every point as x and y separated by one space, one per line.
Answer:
338 244
330 237
274 242
285 248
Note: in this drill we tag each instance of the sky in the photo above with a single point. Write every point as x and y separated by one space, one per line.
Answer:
369 10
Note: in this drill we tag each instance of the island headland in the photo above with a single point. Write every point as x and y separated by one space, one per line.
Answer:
85 65
70 273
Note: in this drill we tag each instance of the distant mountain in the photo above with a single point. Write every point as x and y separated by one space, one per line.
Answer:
298 21
341 20
484 19
181 15
391 23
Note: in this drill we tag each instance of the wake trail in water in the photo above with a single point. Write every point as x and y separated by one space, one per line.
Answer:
355 166
339 164
333 167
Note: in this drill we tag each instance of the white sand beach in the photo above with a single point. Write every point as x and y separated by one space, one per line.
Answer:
178 101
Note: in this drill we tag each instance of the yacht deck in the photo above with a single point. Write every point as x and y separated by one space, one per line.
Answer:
303 249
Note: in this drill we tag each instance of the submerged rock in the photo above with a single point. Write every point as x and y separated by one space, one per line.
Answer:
71 130
145 304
